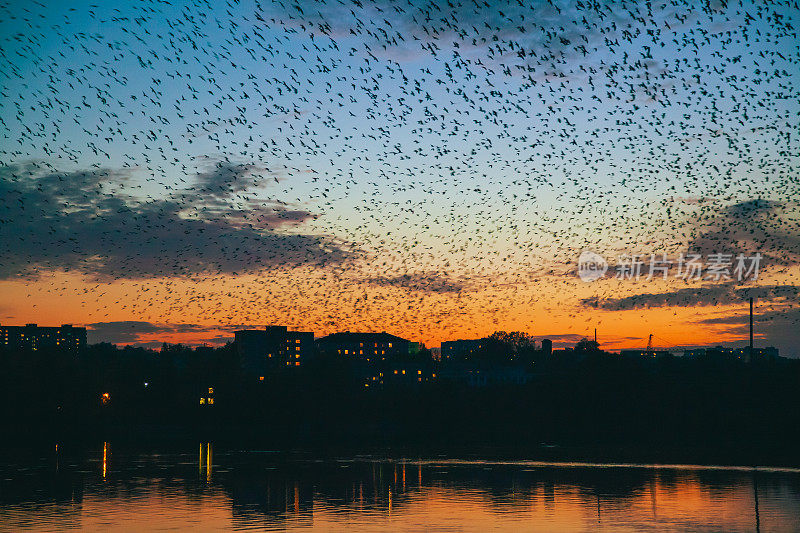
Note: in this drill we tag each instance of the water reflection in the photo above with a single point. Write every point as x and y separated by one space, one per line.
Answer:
266 490
205 463
105 460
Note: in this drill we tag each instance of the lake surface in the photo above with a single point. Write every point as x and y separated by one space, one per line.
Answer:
206 489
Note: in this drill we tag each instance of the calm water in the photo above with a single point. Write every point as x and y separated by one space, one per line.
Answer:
111 490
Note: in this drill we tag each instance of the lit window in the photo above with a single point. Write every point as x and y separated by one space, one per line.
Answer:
260 378
419 371
211 390
404 371
395 371
202 401
390 345
297 363
211 401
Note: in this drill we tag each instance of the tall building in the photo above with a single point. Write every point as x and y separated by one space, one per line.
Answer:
65 338
271 348
366 346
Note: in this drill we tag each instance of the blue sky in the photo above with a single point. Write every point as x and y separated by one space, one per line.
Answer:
466 141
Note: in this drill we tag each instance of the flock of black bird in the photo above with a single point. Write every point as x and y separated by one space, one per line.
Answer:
301 160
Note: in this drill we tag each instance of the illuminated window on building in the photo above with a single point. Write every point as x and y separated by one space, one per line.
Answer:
202 401
211 401
211 390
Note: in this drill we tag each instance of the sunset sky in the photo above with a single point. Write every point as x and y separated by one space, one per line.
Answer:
173 172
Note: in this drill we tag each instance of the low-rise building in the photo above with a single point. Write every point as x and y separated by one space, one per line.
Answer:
461 348
644 354
370 347
743 353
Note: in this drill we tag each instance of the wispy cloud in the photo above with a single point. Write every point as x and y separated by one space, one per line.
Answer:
131 331
426 282
692 297
777 327
756 225
73 221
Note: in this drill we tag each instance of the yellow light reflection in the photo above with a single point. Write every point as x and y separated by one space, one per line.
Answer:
208 461
105 459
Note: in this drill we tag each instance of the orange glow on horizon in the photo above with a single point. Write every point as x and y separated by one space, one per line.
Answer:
309 301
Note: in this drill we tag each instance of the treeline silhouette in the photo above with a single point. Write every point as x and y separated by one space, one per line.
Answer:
583 403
